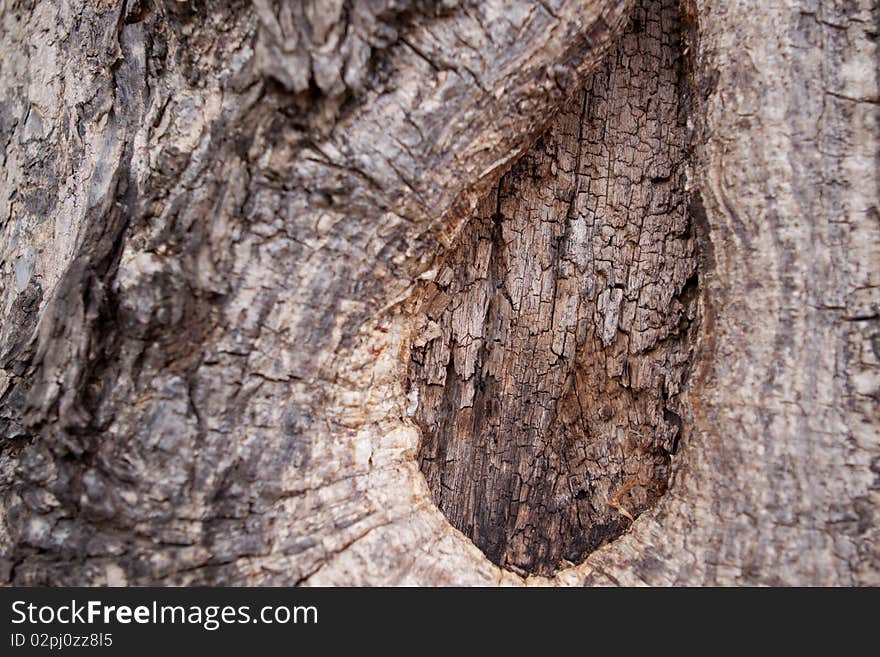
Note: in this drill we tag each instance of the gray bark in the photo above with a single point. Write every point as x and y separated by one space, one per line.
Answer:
256 257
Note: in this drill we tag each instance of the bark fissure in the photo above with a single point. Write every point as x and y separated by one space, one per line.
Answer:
244 193
210 213
555 339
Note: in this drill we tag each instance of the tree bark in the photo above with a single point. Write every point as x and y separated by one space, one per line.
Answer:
557 336
269 316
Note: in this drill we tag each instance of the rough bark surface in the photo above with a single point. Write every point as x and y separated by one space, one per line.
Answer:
777 480
206 259
209 248
556 338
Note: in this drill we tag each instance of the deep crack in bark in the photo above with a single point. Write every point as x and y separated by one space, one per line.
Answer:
552 345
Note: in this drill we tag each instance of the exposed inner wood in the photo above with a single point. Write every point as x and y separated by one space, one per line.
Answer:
552 344
198 383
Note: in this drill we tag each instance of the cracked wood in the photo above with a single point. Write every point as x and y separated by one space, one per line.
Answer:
555 339
203 334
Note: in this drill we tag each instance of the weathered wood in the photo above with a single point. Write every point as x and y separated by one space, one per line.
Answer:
208 272
190 398
776 482
555 339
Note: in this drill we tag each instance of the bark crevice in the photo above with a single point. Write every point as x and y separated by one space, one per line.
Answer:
552 346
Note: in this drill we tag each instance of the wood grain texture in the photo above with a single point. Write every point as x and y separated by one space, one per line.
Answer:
208 276
556 338
777 483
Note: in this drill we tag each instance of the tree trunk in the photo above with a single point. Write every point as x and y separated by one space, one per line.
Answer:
403 292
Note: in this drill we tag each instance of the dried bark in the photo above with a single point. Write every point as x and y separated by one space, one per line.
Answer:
218 220
556 338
